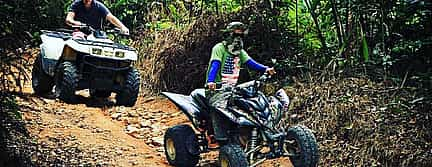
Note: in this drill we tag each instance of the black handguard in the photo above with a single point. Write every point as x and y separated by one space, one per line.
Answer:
220 86
117 31
114 31
86 29
265 77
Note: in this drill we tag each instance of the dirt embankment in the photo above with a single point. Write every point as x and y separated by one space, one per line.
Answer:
359 122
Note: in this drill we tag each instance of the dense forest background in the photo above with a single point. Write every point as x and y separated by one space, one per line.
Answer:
385 40
383 47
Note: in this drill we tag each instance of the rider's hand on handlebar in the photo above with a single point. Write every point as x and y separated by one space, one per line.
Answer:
124 30
271 71
211 85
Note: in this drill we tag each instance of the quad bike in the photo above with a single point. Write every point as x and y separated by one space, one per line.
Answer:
72 60
253 124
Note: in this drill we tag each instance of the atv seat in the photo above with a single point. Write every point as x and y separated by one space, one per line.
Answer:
199 96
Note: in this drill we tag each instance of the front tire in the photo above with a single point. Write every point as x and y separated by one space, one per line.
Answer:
42 83
305 147
232 155
129 93
181 146
66 82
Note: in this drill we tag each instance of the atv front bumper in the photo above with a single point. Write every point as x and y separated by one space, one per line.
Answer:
103 74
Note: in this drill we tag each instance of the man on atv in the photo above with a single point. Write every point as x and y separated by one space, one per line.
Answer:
92 12
224 66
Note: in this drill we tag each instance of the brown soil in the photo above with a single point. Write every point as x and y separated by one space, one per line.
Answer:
105 134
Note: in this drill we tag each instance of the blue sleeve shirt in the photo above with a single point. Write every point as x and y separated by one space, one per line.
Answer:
214 68
94 16
252 64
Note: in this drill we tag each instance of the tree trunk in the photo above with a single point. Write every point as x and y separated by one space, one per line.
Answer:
338 24
297 28
217 7
315 19
202 7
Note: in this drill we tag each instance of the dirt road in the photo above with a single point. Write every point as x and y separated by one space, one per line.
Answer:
98 133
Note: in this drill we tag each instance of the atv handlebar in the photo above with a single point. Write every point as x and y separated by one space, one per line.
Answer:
238 89
87 28
117 31
265 77
84 28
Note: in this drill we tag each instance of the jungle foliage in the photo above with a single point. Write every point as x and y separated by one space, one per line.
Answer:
385 39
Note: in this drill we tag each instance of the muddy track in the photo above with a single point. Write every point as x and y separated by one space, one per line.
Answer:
98 133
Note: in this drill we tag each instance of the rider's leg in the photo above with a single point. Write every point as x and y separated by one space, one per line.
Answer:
218 103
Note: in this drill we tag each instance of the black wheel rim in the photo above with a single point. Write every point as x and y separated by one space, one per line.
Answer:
293 148
58 84
35 80
224 162
170 148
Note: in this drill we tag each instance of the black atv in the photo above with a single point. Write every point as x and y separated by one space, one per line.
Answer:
252 122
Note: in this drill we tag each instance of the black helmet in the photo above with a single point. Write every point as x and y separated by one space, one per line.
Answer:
236 27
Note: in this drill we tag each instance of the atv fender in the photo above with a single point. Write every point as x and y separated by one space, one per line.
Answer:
48 65
52 47
69 54
187 105
55 49
74 45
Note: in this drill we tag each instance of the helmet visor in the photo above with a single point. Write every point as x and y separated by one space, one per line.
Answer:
239 33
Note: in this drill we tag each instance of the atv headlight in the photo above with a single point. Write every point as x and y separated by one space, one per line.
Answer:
108 53
96 51
119 54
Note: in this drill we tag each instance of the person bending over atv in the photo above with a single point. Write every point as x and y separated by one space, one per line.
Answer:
92 12
224 67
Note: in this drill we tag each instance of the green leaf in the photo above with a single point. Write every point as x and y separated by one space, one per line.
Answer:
17 114
365 49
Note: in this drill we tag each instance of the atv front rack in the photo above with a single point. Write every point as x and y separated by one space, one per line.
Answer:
58 34
66 34
104 44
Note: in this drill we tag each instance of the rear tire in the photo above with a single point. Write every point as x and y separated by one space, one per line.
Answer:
181 146
232 155
129 93
66 82
42 83
305 147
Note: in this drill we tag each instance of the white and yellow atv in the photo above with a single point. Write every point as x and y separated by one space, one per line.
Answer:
73 61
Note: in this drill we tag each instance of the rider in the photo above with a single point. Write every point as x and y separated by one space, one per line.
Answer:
92 12
224 66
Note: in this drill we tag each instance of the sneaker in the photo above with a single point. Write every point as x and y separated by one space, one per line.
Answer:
212 143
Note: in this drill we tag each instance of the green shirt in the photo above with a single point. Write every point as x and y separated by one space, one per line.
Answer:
230 64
